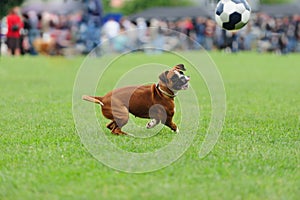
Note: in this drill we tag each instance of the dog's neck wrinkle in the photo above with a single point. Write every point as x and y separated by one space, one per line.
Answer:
166 91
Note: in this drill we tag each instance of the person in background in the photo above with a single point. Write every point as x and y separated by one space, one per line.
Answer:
14 25
121 42
189 31
90 26
200 31
142 32
209 34
24 34
111 30
0 37
130 31
156 33
33 31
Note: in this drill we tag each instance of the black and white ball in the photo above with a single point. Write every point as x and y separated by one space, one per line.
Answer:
232 14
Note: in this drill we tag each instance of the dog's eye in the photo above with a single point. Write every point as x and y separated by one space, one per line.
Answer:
181 72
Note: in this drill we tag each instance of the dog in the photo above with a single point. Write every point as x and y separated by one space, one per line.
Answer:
154 102
44 47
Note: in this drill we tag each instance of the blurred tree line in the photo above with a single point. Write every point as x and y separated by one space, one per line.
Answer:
130 6
134 6
276 1
6 5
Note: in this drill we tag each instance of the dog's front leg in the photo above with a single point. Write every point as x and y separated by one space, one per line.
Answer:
169 122
152 123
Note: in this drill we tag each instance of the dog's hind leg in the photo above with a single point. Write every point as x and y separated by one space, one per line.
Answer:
111 125
118 131
115 129
120 118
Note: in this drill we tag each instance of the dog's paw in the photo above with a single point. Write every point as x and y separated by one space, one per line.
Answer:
151 124
177 130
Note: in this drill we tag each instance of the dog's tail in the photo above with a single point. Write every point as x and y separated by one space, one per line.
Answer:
93 99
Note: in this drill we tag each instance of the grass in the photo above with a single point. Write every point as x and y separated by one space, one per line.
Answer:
256 157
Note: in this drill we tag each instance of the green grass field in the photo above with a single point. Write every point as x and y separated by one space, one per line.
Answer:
256 157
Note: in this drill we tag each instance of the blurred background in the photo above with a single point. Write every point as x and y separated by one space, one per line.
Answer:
75 27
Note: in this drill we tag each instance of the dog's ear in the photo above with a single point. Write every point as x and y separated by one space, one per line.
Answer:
163 77
180 67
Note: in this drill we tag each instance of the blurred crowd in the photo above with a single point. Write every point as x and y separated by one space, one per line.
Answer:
80 32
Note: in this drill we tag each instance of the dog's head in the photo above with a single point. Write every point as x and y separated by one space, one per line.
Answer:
174 79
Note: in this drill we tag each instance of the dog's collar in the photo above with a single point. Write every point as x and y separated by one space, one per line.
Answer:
165 93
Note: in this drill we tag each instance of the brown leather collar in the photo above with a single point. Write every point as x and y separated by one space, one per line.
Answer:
165 93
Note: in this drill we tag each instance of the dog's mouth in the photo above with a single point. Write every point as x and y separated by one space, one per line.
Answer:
185 86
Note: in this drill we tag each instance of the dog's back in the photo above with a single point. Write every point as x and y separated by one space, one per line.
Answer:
136 99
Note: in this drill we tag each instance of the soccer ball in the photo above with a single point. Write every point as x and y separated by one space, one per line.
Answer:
232 14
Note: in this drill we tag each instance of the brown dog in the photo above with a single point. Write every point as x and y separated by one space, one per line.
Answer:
155 102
